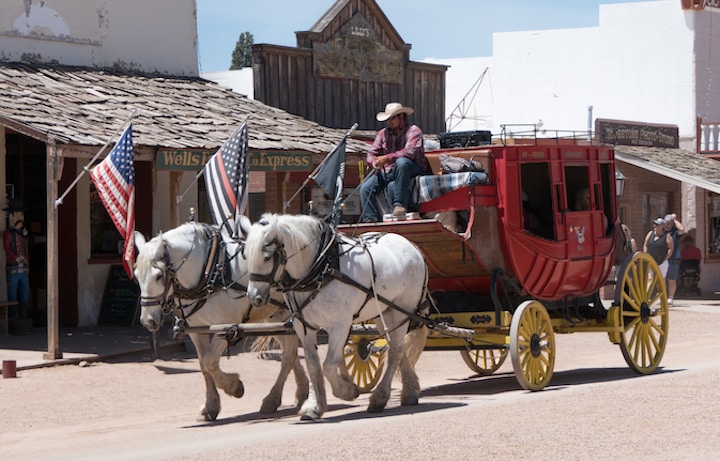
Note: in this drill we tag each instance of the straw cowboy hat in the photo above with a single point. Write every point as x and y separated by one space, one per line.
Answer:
391 110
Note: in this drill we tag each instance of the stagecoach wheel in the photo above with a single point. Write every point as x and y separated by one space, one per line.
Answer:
484 361
364 359
644 313
532 345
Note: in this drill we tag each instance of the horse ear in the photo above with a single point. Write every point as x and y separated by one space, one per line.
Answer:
244 225
139 240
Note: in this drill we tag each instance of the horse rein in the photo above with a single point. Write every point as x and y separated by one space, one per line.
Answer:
199 294
285 283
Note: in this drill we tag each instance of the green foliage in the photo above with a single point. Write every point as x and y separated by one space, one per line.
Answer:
242 55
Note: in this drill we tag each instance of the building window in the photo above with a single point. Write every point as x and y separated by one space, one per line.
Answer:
713 220
105 240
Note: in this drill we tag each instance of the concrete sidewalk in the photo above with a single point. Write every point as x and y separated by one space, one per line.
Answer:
84 343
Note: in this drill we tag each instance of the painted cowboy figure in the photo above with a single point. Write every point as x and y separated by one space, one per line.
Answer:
15 244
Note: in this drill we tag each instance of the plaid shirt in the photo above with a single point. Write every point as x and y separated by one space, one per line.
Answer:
409 143
15 245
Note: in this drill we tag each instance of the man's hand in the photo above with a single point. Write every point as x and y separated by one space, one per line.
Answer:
380 162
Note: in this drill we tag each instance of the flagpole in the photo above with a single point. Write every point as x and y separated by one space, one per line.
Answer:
86 168
286 205
179 198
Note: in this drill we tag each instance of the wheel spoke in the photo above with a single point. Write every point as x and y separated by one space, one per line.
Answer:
643 336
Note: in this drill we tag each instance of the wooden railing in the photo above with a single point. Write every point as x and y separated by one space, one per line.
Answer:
708 137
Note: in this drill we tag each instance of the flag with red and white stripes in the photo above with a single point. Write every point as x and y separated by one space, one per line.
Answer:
114 180
226 178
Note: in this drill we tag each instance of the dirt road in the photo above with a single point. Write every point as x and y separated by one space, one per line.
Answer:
595 408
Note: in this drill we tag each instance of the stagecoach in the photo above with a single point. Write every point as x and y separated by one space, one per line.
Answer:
522 261
496 261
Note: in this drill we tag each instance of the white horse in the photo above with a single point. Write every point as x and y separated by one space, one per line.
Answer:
199 274
331 281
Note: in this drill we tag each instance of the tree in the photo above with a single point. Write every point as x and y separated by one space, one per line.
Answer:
242 55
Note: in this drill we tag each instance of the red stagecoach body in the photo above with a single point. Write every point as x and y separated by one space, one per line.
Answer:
568 254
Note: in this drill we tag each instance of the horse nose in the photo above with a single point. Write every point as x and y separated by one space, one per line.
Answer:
258 301
150 324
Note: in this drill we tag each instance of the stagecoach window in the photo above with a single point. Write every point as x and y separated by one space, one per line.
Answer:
577 186
536 189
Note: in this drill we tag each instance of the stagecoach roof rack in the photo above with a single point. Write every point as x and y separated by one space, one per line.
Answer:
530 133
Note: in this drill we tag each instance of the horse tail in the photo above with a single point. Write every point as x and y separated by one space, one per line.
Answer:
263 344
414 344
414 341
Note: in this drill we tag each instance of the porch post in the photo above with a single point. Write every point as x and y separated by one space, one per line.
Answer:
53 171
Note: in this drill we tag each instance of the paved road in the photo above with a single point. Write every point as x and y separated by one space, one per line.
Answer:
595 408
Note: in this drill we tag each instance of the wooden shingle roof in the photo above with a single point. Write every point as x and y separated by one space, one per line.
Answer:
678 164
88 106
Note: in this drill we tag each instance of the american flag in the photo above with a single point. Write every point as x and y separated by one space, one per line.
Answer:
226 177
114 180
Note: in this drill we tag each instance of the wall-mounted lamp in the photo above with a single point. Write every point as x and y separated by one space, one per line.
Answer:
619 183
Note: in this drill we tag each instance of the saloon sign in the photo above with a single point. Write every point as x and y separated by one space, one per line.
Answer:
194 160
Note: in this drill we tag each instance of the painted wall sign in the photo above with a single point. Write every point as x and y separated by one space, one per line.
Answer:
356 52
619 132
194 160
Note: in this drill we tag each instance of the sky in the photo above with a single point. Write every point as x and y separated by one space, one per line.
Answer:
435 29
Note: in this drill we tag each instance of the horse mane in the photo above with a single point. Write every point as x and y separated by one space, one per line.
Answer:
295 232
154 249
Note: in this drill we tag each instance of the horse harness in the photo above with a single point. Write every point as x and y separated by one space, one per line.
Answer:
324 270
216 273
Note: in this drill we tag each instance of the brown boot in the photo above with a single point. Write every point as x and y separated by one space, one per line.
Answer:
400 212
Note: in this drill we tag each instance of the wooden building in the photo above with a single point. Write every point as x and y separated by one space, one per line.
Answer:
346 68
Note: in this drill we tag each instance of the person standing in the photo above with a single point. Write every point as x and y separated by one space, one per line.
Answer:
15 244
659 245
675 228
397 154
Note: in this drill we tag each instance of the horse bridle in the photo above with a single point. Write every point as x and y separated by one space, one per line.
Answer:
164 300
279 260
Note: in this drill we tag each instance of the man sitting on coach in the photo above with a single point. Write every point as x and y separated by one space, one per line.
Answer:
398 155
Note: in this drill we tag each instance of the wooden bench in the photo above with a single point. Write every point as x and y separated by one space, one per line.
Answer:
4 306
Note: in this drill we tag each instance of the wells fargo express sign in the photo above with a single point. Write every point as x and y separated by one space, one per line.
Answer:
194 160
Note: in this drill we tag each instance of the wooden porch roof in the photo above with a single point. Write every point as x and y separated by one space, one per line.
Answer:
87 107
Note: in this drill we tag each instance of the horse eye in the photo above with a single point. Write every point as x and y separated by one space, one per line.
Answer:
267 256
158 277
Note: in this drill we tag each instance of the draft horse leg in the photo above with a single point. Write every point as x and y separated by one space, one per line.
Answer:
210 348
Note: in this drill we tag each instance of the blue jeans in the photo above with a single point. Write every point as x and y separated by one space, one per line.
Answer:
19 290
402 174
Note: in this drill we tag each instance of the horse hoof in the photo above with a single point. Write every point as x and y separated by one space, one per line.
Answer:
207 417
312 414
269 407
409 400
238 390
375 408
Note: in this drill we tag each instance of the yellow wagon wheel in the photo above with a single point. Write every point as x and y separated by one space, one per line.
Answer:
364 358
532 345
644 313
484 361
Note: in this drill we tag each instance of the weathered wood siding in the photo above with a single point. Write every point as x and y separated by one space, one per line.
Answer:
336 76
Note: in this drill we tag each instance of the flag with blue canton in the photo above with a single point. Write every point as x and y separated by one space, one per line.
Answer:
114 180
226 178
